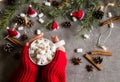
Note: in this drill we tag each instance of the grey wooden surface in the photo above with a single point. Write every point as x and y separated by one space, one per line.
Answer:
78 73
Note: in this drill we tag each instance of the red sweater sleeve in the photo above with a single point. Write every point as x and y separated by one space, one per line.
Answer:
56 70
27 71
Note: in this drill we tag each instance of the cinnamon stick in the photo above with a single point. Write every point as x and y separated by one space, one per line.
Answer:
114 19
101 53
15 41
90 59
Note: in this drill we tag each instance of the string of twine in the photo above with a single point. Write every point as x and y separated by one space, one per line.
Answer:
99 43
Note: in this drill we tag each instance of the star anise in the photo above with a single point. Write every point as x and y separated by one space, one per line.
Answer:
66 24
89 68
76 61
98 60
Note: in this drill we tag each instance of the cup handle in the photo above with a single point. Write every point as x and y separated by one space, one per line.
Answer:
60 43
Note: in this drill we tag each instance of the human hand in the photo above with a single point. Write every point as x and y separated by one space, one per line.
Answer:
27 70
55 71
34 38
56 39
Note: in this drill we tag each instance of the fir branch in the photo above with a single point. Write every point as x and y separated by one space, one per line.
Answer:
7 15
89 20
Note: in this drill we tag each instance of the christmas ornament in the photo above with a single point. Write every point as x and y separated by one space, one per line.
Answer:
31 12
76 61
89 68
77 15
13 33
24 37
66 24
54 26
100 42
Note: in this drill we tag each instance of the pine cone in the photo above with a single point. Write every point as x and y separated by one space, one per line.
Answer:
66 24
20 20
55 3
98 14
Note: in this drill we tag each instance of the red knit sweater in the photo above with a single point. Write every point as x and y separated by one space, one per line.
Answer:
53 72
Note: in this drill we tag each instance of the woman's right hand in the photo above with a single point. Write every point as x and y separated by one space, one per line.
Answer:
56 39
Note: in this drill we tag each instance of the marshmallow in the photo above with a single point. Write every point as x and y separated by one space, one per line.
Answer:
40 15
49 56
86 36
79 50
38 31
22 15
47 3
74 19
111 25
42 51
20 28
109 14
31 51
41 20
